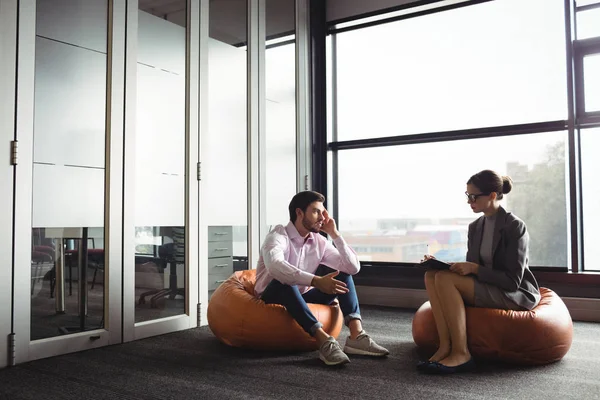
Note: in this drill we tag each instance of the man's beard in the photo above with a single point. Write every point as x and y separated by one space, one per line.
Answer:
310 227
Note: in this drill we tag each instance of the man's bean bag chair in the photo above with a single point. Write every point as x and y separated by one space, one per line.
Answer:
540 336
239 319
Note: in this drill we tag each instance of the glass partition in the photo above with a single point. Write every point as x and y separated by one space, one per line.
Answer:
160 157
67 242
224 154
280 88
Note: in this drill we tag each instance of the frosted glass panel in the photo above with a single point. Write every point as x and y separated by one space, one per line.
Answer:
224 149
161 122
161 44
154 200
67 196
160 134
160 156
280 121
81 23
224 166
70 100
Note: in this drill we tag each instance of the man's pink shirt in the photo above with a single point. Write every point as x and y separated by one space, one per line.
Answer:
293 260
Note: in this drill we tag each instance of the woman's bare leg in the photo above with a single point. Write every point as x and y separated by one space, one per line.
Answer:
438 315
453 290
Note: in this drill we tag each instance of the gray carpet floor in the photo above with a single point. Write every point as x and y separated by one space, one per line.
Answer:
193 364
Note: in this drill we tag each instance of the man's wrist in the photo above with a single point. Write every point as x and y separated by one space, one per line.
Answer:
314 280
335 234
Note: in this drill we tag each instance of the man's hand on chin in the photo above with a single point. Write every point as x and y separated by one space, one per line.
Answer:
329 226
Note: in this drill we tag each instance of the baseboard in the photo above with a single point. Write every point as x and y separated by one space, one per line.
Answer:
391 297
581 309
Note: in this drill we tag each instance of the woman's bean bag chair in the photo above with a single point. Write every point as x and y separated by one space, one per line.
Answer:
240 319
540 336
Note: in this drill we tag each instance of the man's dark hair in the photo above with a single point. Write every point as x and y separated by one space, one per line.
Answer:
302 200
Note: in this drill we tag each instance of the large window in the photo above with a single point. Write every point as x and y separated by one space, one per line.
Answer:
496 74
497 63
397 203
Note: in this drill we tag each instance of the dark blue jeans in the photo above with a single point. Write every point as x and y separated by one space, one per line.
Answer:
295 302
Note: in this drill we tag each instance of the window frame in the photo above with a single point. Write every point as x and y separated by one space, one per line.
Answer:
566 280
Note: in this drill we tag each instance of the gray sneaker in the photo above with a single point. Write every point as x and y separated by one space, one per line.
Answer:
365 346
331 353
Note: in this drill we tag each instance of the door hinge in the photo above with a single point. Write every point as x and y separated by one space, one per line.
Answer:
199 171
12 345
199 315
14 147
305 182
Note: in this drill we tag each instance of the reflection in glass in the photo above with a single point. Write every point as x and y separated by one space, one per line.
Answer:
396 201
67 254
590 165
591 82
224 158
160 157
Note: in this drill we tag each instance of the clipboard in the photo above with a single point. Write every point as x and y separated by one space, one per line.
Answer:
432 263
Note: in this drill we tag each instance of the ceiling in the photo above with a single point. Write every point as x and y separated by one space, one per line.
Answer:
228 17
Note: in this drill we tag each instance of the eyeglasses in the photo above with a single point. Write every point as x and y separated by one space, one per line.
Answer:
472 197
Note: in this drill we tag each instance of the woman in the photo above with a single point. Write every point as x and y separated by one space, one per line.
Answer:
495 275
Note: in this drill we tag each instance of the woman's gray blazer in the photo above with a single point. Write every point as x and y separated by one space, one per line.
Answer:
510 271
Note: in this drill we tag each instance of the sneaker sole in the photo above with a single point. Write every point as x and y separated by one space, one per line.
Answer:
359 352
333 362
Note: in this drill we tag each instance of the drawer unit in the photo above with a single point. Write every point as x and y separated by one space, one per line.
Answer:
220 249
221 265
214 281
220 256
220 234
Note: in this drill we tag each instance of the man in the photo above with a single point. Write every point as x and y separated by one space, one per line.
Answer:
297 265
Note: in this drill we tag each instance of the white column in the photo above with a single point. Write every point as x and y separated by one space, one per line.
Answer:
8 47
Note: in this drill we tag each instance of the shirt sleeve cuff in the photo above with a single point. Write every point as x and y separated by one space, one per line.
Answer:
339 241
305 278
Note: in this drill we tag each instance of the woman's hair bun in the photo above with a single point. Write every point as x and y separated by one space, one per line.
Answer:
507 184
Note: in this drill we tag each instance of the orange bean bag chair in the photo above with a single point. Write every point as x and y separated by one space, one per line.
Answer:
237 318
540 336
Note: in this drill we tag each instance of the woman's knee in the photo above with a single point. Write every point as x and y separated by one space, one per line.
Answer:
443 279
430 279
